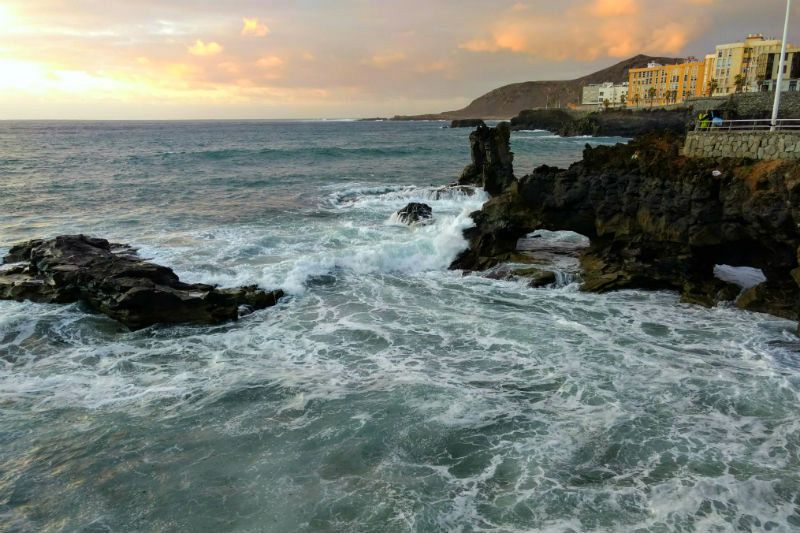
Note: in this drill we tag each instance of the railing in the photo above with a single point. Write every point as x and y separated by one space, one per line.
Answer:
747 125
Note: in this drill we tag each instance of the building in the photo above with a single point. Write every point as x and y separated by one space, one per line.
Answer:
658 85
739 67
791 71
599 93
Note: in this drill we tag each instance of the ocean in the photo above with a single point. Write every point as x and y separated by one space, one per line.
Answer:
385 393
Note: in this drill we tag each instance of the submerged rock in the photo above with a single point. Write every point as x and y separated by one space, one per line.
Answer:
448 191
114 280
537 277
414 213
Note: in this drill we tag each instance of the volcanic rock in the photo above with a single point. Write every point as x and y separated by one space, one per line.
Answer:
467 123
114 280
657 220
610 123
414 213
492 159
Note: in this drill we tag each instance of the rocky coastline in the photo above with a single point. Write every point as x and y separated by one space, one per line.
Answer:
610 123
112 279
654 219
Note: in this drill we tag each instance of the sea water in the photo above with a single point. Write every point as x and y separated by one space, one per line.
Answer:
385 393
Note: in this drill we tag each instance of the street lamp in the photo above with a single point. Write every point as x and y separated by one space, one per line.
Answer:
781 65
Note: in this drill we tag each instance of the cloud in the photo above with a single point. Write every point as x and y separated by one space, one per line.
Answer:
422 56
270 62
254 27
387 59
202 49
596 29
614 8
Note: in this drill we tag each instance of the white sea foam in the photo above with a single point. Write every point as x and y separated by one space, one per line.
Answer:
390 394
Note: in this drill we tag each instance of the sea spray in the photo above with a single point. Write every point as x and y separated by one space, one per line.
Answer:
388 394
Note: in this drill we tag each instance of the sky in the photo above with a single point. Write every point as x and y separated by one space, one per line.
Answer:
255 59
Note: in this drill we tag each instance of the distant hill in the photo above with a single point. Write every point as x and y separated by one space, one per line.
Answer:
508 101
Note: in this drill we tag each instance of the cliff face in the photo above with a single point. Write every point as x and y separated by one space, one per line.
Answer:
657 220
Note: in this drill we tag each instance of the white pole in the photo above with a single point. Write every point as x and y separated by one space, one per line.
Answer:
781 65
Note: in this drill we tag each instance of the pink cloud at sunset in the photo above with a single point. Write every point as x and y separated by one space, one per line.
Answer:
348 58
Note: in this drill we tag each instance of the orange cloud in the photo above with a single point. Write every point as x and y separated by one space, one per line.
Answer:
270 62
597 28
614 8
254 27
386 59
200 48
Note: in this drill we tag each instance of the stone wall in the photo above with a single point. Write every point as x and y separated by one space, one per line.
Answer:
749 105
749 144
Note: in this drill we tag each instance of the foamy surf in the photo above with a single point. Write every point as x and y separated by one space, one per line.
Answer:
387 393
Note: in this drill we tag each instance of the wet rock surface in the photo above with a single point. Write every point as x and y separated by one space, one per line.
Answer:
492 159
657 220
112 279
415 213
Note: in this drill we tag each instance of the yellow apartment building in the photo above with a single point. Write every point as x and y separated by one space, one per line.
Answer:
657 85
739 67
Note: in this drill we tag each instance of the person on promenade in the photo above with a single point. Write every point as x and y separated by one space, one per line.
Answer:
703 120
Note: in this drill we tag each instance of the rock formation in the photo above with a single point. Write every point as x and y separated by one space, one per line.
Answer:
112 279
611 123
492 160
657 220
467 123
414 213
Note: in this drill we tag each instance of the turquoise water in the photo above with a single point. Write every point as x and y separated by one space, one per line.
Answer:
386 394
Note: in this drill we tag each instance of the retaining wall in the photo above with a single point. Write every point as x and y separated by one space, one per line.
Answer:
749 144
753 105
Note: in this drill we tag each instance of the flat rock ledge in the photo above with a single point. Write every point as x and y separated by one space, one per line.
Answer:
112 279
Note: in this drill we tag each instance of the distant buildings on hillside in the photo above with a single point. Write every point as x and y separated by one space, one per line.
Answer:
658 84
608 94
747 66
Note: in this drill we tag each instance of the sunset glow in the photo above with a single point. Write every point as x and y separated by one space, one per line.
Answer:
316 59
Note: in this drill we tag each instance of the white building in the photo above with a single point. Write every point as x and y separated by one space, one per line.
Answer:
599 93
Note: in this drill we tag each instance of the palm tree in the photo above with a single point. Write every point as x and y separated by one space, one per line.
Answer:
622 98
636 99
651 94
738 82
760 79
713 85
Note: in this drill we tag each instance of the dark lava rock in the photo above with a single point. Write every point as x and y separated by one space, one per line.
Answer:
492 159
611 123
112 279
628 123
542 119
467 123
658 220
537 277
415 213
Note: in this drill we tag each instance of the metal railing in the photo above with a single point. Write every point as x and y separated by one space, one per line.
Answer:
765 124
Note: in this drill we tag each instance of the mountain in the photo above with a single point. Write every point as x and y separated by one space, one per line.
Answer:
509 100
